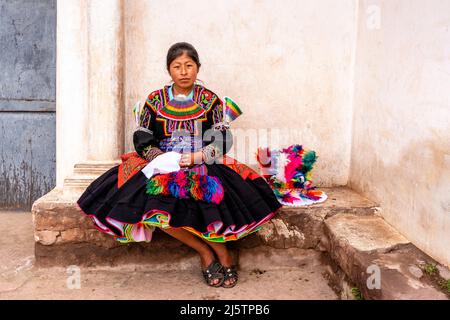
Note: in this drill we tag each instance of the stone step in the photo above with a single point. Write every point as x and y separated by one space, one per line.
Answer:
60 224
303 227
266 258
95 168
22 279
346 231
85 173
79 182
379 260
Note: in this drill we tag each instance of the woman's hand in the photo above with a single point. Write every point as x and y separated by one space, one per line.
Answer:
190 159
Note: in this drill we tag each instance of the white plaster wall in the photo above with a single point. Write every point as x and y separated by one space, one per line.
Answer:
288 65
71 87
106 111
401 132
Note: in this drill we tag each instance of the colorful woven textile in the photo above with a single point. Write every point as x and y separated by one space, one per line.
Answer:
181 110
288 172
232 110
131 164
243 170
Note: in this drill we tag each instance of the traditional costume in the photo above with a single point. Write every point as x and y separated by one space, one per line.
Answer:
219 199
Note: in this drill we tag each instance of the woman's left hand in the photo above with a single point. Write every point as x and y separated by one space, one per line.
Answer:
190 159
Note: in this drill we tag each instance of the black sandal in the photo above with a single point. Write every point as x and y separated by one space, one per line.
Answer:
213 272
230 273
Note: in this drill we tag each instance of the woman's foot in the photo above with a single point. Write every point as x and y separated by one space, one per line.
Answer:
212 270
205 252
229 269
225 259
230 277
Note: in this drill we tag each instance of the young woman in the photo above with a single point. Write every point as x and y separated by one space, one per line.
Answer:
210 200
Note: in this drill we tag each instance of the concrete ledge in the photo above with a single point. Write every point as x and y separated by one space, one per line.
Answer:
303 227
64 235
364 246
346 227
85 255
267 258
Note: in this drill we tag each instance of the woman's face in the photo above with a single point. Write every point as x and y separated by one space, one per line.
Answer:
183 71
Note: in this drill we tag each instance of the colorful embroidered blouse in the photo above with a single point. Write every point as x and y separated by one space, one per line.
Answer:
169 124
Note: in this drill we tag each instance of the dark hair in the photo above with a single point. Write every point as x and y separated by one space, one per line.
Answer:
178 49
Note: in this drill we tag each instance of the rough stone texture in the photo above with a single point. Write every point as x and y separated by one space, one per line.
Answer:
57 211
268 258
65 236
359 243
416 271
346 226
16 243
302 227
60 224
337 279
155 256
365 233
444 272
120 284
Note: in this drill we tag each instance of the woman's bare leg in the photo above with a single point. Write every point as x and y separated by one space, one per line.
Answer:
221 251
206 255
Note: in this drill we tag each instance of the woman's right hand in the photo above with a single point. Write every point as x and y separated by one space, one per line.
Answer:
190 159
186 160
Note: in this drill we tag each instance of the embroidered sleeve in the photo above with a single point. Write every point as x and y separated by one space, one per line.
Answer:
145 142
219 141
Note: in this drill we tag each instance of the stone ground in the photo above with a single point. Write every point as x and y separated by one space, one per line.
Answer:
21 279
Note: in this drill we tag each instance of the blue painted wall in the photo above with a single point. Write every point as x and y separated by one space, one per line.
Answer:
27 101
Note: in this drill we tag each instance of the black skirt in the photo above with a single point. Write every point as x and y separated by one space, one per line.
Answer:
130 213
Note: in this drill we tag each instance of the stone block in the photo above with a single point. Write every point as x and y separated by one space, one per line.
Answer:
378 259
59 221
266 258
303 227
46 237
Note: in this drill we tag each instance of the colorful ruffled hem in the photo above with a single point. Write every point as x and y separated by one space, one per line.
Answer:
143 230
158 218
300 197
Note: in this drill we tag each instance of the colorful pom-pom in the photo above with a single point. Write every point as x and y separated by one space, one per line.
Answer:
290 174
183 185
